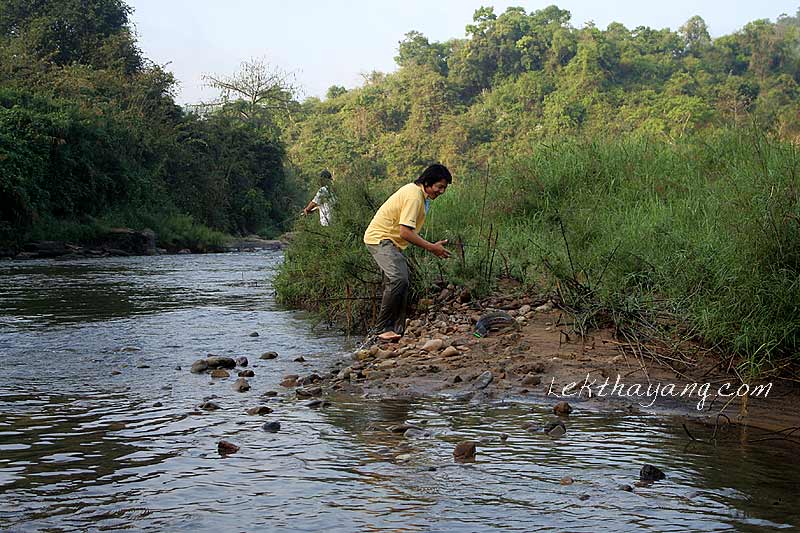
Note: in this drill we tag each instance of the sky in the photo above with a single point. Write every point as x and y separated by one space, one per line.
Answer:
331 42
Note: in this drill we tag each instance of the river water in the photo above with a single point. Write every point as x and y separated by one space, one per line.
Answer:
99 428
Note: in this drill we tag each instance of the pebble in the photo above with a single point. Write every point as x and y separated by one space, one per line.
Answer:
626 488
241 385
583 497
432 345
531 380
158 404
289 380
226 448
272 427
484 380
544 307
308 392
300 359
254 334
269 355
115 372
567 480
259 410
450 351
465 451
562 408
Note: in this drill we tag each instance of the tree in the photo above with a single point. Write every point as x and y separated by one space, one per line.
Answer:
695 34
258 86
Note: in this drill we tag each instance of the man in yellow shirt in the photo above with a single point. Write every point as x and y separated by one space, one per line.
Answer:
396 224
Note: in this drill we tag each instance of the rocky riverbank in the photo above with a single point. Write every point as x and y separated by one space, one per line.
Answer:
535 355
122 242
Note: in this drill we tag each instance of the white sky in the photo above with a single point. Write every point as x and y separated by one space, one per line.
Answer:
332 42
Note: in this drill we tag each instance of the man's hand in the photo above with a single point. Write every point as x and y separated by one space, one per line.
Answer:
439 250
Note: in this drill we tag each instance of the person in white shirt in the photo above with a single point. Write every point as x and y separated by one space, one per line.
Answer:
324 200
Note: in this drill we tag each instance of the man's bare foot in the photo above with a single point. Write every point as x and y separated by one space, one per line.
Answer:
389 336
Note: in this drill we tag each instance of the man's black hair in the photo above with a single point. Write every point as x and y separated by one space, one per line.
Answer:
325 175
434 174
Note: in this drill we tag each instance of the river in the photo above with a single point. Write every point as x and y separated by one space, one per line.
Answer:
99 426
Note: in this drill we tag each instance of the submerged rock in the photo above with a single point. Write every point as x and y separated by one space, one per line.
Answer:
555 428
272 427
651 473
241 385
269 355
260 410
220 373
289 380
299 359
254 334
242 361
317 404
465 451
208 406
562 408
415 433
246 373
402 428
226 448
567 480
308 392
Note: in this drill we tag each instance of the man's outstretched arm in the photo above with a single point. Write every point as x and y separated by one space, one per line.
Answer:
436 248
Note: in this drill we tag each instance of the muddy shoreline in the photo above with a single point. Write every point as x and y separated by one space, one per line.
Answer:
538 358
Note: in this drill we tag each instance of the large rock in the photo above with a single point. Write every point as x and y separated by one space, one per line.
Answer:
199 366
46 249
122 241
218 361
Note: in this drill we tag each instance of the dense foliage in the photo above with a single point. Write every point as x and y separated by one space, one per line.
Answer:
90 136
519 78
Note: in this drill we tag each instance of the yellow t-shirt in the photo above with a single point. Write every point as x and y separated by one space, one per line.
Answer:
407 207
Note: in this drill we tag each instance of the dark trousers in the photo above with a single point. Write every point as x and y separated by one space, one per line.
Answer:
392 263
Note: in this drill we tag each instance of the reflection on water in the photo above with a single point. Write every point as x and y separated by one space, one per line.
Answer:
82 447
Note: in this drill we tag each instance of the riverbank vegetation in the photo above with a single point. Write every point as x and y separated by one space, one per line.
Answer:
91 137
647 177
